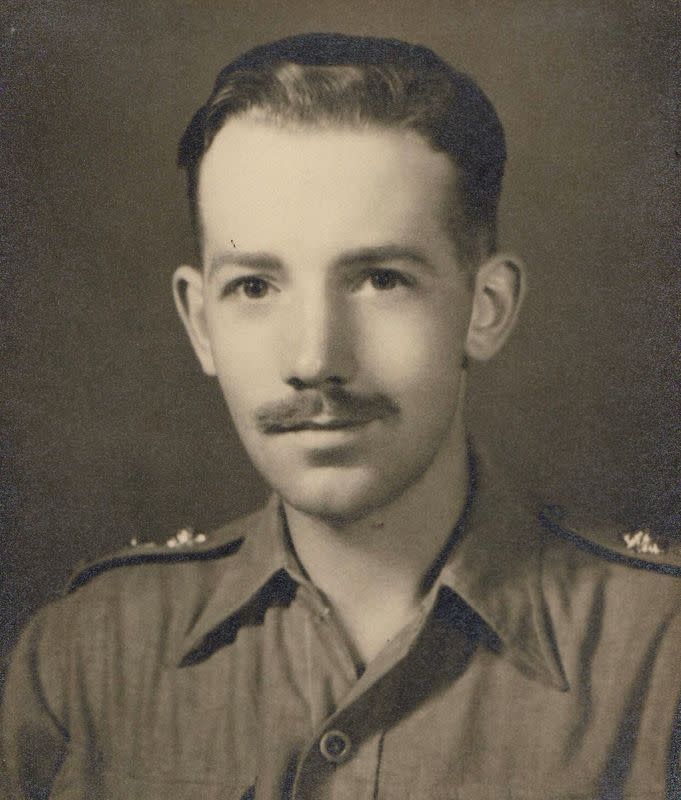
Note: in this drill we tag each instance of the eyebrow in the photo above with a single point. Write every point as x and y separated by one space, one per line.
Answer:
371 256
363 256
240 258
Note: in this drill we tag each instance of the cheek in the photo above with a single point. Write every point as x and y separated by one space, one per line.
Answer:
241 334
419 349
244 362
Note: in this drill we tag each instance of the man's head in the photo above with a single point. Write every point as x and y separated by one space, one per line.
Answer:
348 264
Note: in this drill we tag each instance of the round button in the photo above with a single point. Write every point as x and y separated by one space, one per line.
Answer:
335 746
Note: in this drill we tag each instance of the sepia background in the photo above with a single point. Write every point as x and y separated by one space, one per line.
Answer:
109 429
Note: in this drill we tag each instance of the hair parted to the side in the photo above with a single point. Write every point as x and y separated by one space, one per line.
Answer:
324 79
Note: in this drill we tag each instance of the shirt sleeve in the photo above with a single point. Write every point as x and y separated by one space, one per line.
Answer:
33 740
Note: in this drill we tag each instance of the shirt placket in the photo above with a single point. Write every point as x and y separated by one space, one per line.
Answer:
342 759
331 671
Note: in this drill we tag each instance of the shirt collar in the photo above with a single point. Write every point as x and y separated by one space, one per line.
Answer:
495 566
259 561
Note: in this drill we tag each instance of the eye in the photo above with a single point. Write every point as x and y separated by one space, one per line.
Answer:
386 279
251 287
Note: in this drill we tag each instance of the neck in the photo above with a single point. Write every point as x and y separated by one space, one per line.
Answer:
372 570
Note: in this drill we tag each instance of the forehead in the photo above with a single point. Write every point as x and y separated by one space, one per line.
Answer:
267 186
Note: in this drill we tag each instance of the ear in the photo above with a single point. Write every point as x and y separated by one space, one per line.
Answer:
188 294
497 296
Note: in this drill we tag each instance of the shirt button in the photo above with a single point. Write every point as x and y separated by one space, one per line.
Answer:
335 746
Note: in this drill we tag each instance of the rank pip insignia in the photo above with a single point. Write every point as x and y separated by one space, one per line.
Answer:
642 542
185 537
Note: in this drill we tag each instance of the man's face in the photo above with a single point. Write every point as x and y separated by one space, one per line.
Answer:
334 312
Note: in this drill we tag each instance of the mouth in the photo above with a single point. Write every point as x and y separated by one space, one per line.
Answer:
331 424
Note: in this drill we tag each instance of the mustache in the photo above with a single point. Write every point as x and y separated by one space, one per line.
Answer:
342 408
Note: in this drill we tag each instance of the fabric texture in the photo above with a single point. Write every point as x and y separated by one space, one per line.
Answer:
535 669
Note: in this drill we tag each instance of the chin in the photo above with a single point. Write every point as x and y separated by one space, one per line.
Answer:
339 498
336 511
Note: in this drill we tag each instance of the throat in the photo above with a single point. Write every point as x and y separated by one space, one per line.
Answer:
375 572
368 631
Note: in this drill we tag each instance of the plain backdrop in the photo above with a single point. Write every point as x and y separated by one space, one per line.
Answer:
109 429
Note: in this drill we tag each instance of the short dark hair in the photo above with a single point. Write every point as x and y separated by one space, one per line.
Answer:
335 79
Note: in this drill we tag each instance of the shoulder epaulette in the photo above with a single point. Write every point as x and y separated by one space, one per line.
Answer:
185 545
642 546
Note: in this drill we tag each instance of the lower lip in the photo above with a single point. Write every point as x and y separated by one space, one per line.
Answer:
330 436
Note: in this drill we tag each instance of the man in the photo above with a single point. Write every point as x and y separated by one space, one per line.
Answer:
394 624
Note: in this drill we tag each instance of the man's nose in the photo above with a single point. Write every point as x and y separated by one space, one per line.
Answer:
318 343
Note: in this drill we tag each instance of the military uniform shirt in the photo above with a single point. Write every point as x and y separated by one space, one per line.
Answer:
540 667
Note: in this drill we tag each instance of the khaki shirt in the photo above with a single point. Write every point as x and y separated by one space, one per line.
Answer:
542 665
